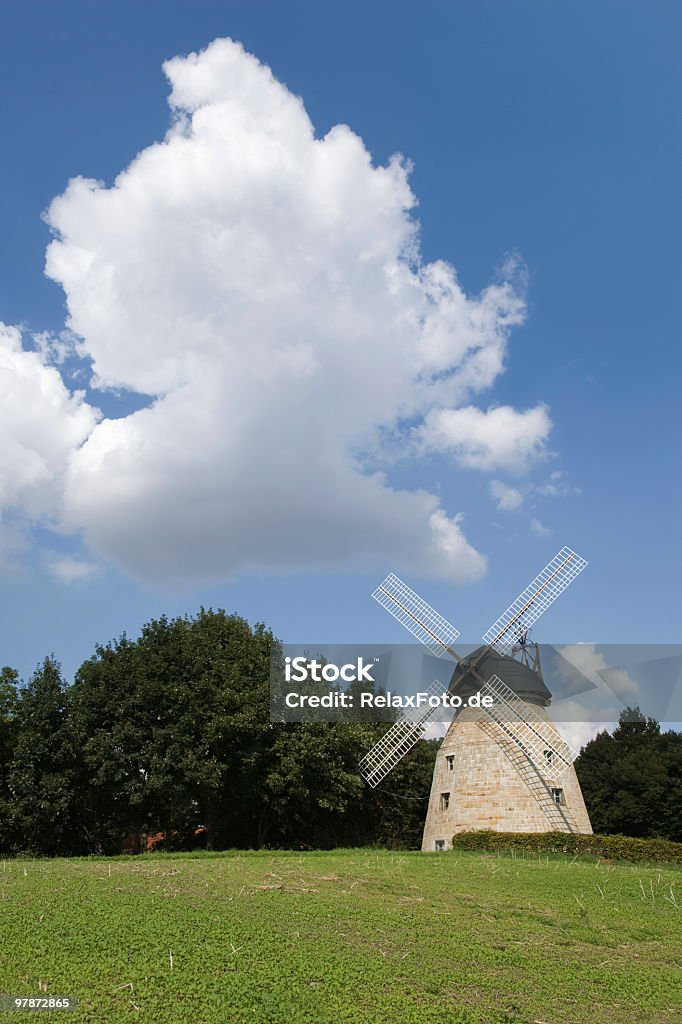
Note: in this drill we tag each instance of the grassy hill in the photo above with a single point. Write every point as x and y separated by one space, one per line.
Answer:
348 936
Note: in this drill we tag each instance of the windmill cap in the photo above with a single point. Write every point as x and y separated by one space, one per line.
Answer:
526 683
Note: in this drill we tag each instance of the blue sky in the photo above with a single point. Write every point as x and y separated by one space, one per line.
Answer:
545 130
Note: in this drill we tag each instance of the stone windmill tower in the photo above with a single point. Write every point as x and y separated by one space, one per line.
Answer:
502 766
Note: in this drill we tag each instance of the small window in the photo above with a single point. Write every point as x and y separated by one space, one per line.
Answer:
450 762
548 756
439 844
444 801
558 796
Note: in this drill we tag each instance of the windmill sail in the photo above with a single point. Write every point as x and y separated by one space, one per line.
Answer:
534 600
423 621
558 815
539 740
398 741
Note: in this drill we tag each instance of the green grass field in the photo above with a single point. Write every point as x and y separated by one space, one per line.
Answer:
348 936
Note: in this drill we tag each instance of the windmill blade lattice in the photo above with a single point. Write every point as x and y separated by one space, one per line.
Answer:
539 740
423 621
534 600
399 740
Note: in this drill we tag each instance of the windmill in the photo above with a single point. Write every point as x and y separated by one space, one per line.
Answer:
502 767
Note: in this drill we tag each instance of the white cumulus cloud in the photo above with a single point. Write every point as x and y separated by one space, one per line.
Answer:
500 438
507 498
41 425
264 287
68 569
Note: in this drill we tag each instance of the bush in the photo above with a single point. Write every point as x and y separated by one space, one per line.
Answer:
659 851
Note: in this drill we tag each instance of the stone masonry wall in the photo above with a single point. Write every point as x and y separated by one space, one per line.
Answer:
485 791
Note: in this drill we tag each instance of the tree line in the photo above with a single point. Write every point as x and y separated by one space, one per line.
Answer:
170 734
632 779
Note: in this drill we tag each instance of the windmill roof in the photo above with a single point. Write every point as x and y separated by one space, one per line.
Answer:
526 684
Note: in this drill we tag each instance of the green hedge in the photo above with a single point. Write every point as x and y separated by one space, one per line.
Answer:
659 851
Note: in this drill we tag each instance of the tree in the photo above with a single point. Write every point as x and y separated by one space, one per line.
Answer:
175 731
631 779
402 799
670 749
172 727
313 795
43 771
8 734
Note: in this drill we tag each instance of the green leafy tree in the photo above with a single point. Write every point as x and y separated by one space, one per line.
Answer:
113 722
311 793
670 750
402 799
8 733
172 727
631 779
43 771
175 731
